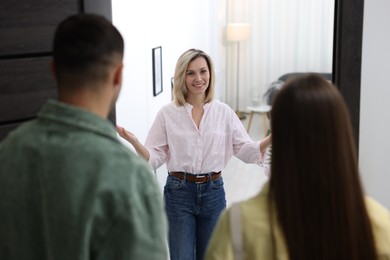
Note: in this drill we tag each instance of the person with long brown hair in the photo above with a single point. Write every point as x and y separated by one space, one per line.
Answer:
313 206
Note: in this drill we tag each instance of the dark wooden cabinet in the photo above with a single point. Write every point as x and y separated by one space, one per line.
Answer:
26 35
25 85
27 27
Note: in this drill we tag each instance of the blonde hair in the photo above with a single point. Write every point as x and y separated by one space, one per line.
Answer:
180 91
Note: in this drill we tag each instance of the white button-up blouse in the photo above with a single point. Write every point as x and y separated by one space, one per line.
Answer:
174 139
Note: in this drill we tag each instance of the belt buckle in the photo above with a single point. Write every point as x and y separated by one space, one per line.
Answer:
198 177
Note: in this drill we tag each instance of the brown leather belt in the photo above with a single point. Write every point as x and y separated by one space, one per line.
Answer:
200 178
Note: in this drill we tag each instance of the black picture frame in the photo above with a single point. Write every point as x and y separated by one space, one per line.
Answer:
157 71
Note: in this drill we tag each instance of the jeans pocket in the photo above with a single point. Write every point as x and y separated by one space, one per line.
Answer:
173 183
217 184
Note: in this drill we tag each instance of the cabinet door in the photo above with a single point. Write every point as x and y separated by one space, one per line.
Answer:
25 84
27 26
26 36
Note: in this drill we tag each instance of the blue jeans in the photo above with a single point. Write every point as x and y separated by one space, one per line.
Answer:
192 210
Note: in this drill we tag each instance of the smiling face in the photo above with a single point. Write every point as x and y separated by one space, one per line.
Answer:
197 77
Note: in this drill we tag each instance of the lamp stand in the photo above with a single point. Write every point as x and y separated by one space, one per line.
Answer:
240 114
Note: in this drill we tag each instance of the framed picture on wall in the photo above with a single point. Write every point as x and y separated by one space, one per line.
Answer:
157 71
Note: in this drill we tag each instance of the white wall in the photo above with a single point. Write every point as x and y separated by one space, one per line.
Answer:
374 141
176 25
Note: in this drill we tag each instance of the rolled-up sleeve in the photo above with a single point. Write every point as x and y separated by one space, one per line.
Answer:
244 147
157 143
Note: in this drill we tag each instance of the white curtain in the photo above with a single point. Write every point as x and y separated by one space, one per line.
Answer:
287 36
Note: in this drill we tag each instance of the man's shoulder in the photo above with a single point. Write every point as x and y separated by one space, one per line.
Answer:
120 157
128 165
23 132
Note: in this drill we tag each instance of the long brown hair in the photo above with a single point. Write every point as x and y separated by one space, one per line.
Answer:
315 182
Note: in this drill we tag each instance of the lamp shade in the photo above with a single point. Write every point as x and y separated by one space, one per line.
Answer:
238 32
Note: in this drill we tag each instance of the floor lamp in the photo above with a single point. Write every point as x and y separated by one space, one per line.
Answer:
238 32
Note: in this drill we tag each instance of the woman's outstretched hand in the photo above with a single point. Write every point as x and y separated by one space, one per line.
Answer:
265 143
132 139
128 136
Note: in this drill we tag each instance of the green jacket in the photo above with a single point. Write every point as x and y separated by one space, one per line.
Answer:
70 190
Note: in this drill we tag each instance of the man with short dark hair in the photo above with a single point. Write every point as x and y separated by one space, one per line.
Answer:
68 188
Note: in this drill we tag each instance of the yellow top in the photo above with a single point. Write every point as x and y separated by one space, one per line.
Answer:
256 231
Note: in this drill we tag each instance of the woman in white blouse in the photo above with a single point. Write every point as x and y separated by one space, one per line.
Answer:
195 136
